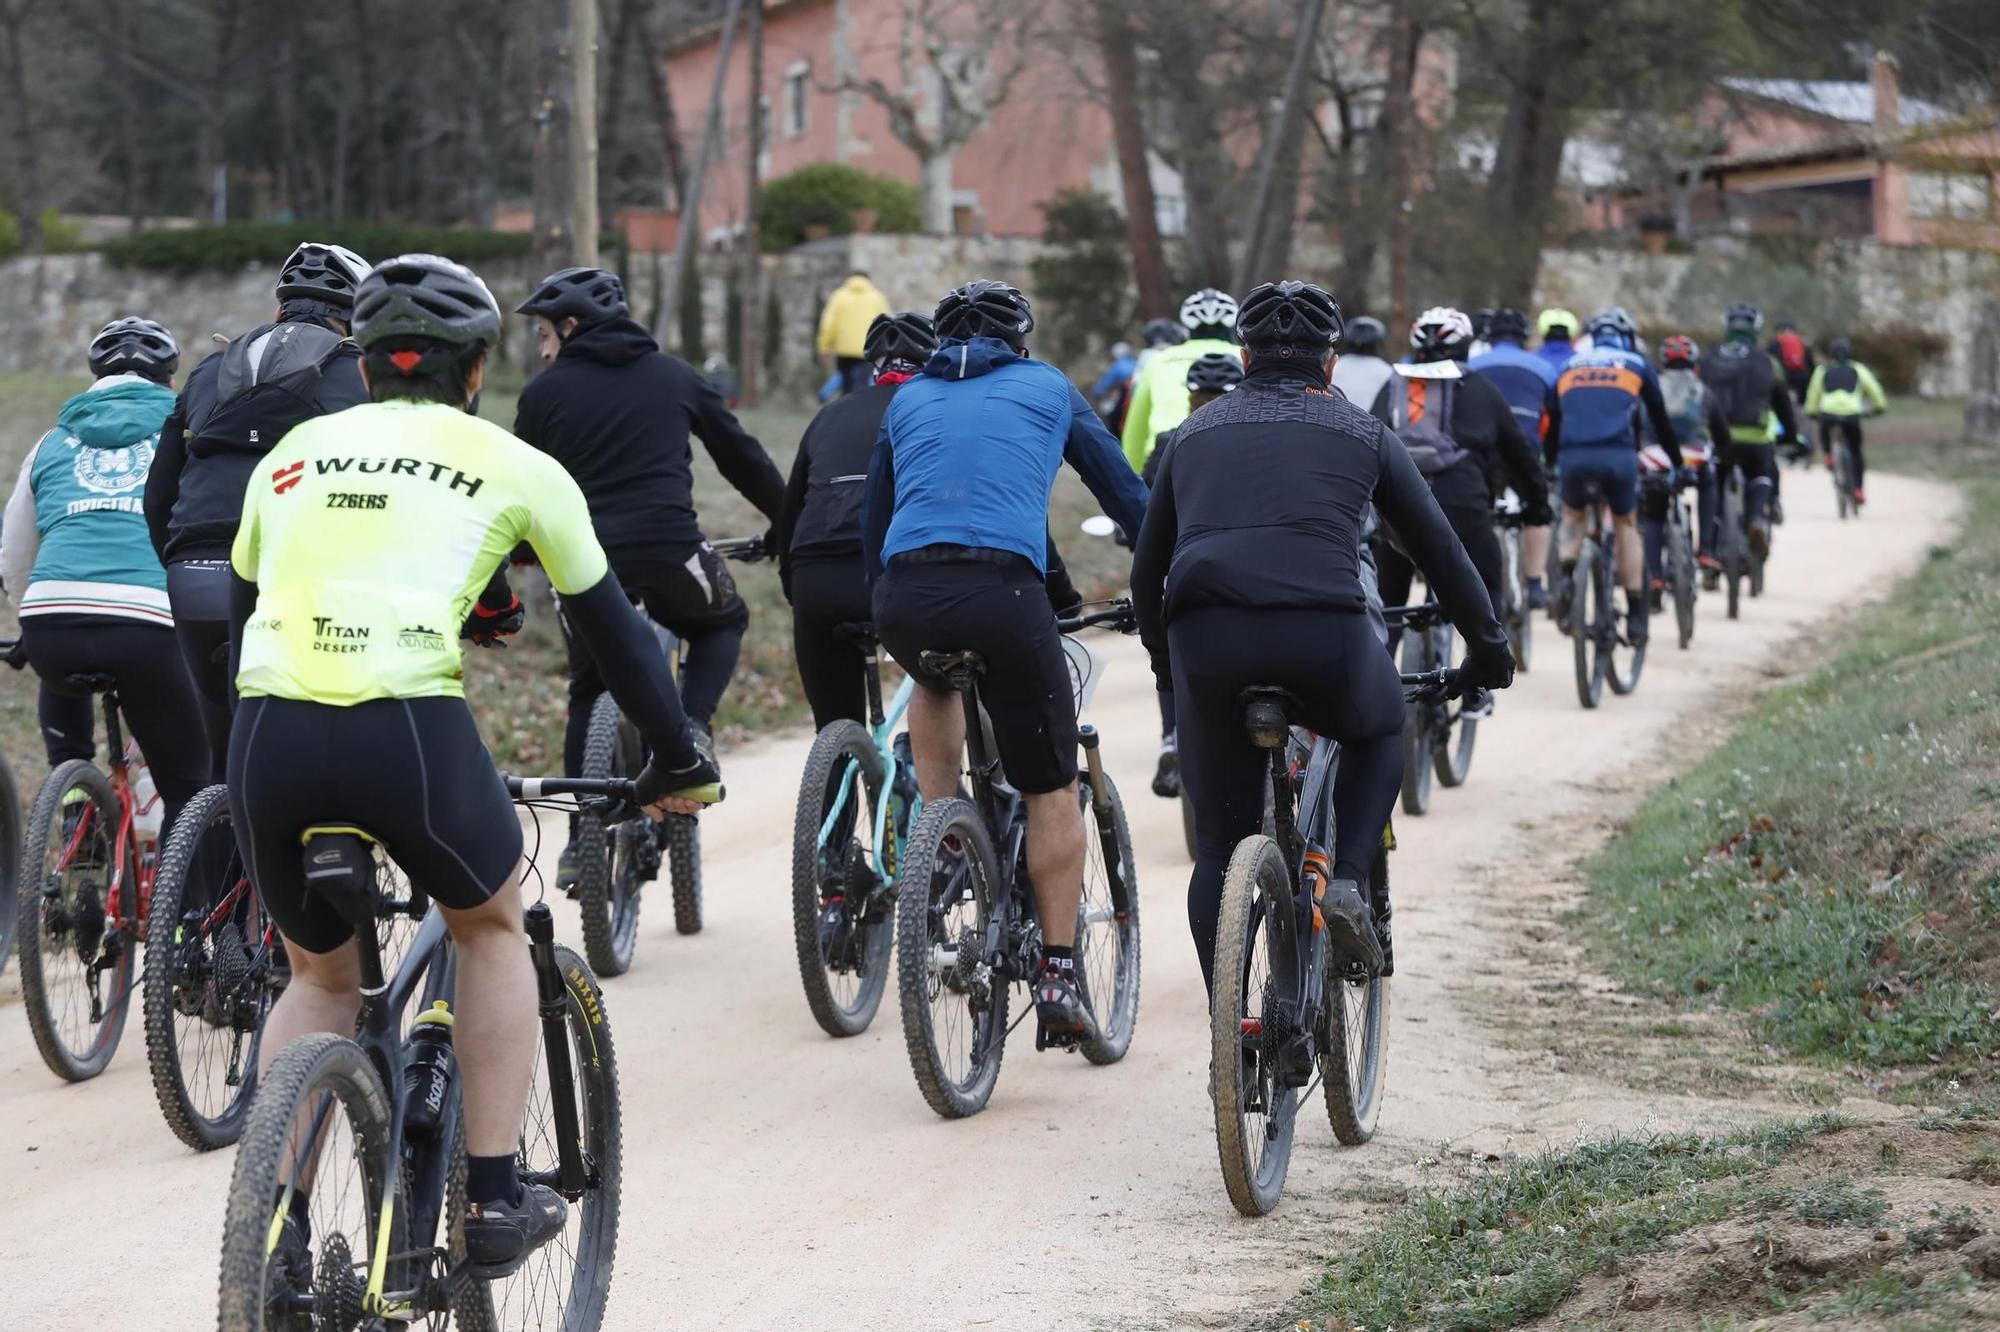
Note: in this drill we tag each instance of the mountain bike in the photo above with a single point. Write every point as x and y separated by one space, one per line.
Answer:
856 802
10 858
1282 1014
373 1126
965 917
1740 563
214 965
1670 564
85 889
1515 617
1843 465
616 861
1592 624
1428 743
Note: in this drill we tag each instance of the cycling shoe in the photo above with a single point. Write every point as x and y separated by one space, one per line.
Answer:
1167 774
1350 927
499 1236
1061 1015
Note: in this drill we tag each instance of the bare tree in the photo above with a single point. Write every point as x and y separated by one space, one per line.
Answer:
27 164
1274 202
565 155
752 298
1115 41
956 62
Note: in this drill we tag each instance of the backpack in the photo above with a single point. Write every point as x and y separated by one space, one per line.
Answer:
1687 404
1420 414
266 384
1740 375
1792 351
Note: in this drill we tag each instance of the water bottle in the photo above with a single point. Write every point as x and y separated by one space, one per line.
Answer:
427 1079
149 815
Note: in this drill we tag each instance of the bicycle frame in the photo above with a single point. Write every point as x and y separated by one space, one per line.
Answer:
882 729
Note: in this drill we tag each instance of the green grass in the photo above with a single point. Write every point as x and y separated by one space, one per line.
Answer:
519 694
1832 871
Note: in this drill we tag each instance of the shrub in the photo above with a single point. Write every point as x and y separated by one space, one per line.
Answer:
1897 353
1083 283
236 245
828 194
58 234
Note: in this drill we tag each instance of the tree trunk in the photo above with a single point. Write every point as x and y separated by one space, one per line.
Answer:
611 117
1400 130
131 185
1982 406
685 243
1206 174
211 136
672 158
1274 207
1529 155
284 80
374 159
1115 46
748 359
27 173
583 129
934 193
558 238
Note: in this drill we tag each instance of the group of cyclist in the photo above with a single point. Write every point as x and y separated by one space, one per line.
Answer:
279 564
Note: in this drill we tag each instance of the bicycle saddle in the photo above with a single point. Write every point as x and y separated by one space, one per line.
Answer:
90 684
861 633
956 668
1267 714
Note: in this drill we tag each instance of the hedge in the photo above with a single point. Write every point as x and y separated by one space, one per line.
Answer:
58 235
236 245
1897 353
828 194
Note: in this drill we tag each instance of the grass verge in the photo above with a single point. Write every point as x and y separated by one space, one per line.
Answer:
1813 1221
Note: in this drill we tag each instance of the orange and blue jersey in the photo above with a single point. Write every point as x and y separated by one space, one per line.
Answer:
1599 393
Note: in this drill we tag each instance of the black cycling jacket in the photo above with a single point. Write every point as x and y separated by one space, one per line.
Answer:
617 412
194 500
821 515
1261 501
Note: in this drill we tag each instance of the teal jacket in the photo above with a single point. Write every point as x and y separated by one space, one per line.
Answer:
74 539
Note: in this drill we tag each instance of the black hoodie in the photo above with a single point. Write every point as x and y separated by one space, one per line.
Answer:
616 412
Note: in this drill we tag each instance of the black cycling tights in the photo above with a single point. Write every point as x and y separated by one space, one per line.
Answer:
827 594
1475 531
1347 688
1849 428
199 592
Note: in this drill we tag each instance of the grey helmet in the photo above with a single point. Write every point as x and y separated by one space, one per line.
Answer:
425 296
135 346
321 272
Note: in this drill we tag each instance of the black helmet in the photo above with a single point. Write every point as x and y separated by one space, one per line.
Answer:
1743 317
908 337
1840 349
1612 327
1482 323
1365 335
135 346
1291 316
1164 333
986 309
1214 372
320 272
1507 322
425 296
583 294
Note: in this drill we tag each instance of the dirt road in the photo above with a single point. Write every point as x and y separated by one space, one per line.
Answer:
776 1178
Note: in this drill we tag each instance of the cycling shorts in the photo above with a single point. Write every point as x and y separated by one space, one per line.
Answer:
1614 467
411 773
932 601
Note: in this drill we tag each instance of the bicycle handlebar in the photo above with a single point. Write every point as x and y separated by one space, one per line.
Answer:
1430 686
1420 616
540 788
1119 613
745 550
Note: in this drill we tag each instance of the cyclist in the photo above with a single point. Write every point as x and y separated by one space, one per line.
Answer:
1528 382
1558 329
1259 513
1795 358
1460 432
1362 374
954 530
1159 392
233 408
1208 379
75 556
1482 331
616 412
1750 385
818 534
1704 433
352 709
1842 391
1598 397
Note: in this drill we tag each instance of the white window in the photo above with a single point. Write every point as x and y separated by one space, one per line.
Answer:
798 84
1951 194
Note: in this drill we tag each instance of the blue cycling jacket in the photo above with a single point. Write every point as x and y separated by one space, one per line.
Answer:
968 451
1525 380
1556 354
1599 394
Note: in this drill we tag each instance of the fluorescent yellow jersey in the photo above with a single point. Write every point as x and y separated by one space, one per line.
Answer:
370 533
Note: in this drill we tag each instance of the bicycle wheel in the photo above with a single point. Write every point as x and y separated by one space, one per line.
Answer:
1586 614
1519 620
1452 737
1107 927
683 846
1187 822
1255 1117
1419 655
10 860
76 968
1843 481
209 977
1622 676
609 858
1355 1038
1756 575
1681 552
842 917
565 1284
948 894
320 1114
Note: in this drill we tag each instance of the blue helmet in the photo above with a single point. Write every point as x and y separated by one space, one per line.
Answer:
1612 327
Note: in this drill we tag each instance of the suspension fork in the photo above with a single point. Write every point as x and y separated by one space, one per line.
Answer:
552 993
1107 829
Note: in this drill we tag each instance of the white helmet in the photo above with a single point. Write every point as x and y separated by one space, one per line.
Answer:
1441 333
1209 307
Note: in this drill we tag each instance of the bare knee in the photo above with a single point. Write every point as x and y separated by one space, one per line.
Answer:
337 972
496 922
